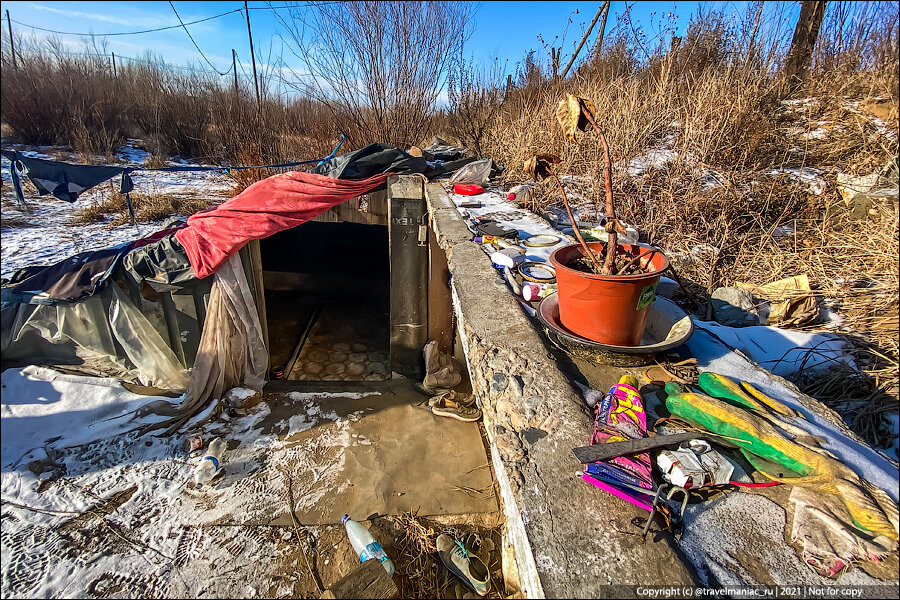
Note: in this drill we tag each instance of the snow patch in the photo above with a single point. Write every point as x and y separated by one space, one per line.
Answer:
811 178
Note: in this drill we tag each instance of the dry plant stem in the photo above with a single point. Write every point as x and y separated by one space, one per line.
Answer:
612 241
584 247
610 263
637 258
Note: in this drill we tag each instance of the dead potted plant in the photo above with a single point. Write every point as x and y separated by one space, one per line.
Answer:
609 302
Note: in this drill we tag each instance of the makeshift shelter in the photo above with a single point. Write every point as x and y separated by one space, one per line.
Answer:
185 308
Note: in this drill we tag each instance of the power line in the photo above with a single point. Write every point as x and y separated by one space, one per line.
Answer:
195 43
152 63
237 10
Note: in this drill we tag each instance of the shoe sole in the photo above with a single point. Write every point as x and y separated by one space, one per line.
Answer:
456 416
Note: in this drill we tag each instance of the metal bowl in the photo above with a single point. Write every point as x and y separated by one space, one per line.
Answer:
668 327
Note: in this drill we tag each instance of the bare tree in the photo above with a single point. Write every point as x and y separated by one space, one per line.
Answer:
379 66
803 43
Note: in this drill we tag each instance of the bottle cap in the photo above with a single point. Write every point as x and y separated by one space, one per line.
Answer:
344 519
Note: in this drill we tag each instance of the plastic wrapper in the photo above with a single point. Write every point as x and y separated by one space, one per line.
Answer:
477 172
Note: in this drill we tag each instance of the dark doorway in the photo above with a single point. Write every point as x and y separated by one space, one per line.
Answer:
327 294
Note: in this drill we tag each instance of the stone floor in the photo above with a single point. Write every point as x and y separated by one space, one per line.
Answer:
348 342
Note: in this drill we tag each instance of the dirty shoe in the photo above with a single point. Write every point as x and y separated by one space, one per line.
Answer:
467 567
451 405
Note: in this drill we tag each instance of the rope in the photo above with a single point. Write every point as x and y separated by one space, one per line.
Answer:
318 161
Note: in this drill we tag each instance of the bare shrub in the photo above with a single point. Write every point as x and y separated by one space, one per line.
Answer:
378 66
148 207
476 96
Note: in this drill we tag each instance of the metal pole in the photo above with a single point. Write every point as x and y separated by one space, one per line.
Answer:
252 55
12 46
114 65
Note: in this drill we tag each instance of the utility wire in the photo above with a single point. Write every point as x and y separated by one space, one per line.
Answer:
237 10
195 43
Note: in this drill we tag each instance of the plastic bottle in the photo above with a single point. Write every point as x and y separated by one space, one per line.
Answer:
365 545
208 466
521 193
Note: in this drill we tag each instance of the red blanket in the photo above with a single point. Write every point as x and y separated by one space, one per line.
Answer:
266 207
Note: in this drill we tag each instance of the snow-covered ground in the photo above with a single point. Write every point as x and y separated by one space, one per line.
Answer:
125 518
43 235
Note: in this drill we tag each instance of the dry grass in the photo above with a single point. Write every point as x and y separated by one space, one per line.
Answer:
715 106
147 208
422 574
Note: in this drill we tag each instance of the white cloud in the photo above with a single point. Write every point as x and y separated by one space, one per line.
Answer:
90 16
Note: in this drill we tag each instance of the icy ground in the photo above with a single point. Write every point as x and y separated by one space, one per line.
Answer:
43 235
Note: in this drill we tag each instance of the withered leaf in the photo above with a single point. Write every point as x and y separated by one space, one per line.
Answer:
538 166
572 113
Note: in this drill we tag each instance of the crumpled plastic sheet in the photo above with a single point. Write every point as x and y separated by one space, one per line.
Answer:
84 333
231 353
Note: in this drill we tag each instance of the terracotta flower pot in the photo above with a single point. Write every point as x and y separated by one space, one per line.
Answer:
609 309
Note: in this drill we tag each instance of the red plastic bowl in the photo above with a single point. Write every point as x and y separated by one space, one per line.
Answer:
467 189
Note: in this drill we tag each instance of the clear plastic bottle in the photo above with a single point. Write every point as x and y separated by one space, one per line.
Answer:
208 466
365 545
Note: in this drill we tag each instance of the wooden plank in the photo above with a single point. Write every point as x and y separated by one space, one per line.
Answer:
369 580
409 274
375 212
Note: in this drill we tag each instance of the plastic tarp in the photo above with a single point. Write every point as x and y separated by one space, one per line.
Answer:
86 334
231 353
265 208
372 160
69 280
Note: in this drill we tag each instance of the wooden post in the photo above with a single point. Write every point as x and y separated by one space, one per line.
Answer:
598 47
409 274
114 65
554 57
804 41
252 57
584 39
12 46
234 68
253 247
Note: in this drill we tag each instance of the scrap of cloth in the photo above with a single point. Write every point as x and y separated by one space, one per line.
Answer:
274 204
65 181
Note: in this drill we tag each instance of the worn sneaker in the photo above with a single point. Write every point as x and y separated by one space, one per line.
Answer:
451 405
468 567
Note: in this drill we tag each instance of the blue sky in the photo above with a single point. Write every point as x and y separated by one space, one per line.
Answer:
504 30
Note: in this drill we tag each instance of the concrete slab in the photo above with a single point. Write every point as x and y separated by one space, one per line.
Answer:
398 457
568 540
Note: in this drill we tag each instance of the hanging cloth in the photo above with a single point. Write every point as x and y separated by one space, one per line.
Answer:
63 180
